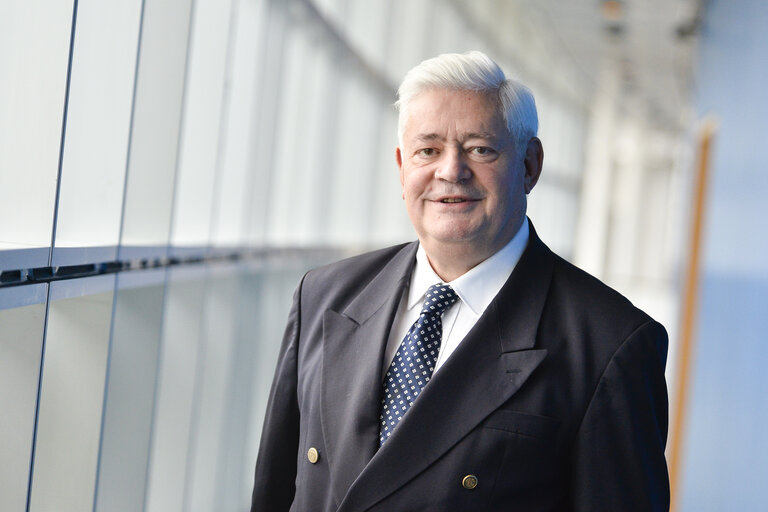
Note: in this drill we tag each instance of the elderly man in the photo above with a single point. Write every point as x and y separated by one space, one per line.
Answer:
473 370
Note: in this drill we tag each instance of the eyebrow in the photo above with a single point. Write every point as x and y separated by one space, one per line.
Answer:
479 135
426 137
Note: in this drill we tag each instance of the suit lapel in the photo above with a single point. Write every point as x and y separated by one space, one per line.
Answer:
353 350
488 367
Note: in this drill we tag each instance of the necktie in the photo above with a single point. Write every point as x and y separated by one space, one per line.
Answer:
415 359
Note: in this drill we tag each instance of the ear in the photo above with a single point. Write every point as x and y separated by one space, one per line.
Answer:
534 160
399 159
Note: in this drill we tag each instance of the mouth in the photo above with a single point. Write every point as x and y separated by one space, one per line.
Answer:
454 200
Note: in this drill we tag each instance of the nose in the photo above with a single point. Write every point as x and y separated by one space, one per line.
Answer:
452 167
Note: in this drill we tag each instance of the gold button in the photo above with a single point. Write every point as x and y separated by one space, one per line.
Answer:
469 482
313 455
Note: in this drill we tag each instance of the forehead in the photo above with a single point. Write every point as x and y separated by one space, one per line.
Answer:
447 113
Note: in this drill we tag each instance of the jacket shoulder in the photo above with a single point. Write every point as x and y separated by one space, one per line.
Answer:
586 293
597 318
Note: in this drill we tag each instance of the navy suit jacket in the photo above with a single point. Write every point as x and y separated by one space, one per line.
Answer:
554 401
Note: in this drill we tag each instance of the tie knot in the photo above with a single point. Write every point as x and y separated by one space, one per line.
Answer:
439 297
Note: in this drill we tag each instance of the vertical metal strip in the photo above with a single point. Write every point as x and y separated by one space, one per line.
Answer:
39 391
63 131
690 309
50 250
130 134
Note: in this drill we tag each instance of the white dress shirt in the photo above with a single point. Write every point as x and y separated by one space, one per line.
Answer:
475 288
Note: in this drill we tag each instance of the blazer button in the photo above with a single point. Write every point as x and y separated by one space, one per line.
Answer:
313 455
469 482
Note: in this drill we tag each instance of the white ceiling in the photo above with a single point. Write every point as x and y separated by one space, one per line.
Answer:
650 46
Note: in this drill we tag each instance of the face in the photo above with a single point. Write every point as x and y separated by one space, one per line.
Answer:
464 182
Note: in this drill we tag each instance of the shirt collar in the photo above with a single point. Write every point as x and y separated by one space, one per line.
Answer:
478 286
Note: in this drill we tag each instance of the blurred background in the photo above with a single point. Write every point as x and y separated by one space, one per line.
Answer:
170 168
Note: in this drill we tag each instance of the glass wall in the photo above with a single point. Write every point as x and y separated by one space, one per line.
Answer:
34 63
22 317
66 452
97 133
210 127
168 171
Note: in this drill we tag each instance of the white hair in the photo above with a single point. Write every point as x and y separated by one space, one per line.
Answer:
472 71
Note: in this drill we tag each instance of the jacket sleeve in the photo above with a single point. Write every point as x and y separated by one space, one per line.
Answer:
275 480
618 460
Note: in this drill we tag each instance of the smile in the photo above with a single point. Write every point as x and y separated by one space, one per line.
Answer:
452 200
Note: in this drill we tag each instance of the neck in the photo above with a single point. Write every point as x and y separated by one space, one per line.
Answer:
452 262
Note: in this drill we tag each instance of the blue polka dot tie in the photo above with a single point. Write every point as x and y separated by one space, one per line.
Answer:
415 359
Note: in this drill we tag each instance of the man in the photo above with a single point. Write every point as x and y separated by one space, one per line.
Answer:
517 382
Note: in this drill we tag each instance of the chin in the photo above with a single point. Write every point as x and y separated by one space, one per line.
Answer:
455 237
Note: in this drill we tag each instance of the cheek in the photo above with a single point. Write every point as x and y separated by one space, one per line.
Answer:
507 188
410 195
414 184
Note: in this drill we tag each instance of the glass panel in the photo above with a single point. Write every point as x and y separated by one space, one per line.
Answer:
211 396
368 23
389 220
446 31
311 187
238 156
220 343
235 465
72 393
266 120
21 340
352 179
553 209
243 322
34 54
98 122
410 39
295 205
269 292
201 125
178 365
155 131
130 391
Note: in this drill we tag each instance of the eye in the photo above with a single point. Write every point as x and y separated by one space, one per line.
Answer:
482 153
426 152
